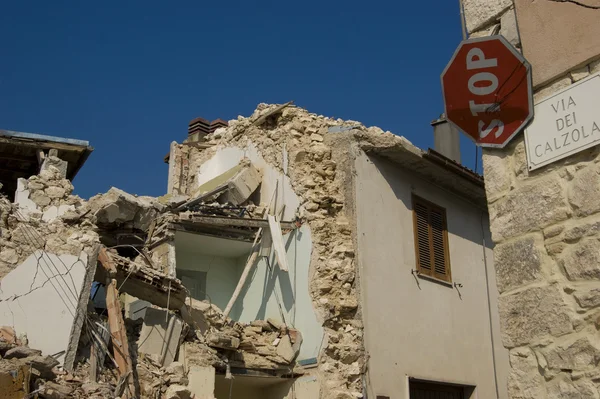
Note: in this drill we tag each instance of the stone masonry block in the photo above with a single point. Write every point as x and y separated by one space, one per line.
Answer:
479 13
580 73
517 263
581 261
588 299
497 168
533 314
508 28
552 88
524 380
584 191
578 355
530 207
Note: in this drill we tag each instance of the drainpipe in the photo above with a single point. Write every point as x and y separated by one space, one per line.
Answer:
462 19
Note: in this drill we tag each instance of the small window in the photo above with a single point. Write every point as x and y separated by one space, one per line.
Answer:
431 240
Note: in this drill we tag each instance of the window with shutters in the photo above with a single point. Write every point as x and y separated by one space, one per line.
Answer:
431 240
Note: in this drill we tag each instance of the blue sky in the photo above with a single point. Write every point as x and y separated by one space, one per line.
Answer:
128 76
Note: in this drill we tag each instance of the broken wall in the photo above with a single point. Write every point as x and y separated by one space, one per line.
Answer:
259 300
47 260
316 184
544 224
40 299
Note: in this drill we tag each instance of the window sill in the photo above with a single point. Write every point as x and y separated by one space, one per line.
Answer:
435 280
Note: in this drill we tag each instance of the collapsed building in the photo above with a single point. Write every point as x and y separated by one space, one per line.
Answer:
293 256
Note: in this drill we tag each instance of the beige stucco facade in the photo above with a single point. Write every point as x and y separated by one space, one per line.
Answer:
415 327
543 222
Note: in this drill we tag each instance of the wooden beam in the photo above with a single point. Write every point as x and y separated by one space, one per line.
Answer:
31 143
262 119
116 324
107 262
234 221
247 268
277 237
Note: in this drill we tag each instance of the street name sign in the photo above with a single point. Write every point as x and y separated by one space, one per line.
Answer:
565 123
487 90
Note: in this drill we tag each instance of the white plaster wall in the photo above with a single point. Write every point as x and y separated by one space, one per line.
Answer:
268 287
39 298
414 327
258 299
222 274
228 157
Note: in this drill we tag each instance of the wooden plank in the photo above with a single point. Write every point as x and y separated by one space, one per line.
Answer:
262 119
107 262
247 268
277 237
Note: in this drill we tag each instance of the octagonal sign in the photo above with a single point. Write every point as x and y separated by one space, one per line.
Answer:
487 91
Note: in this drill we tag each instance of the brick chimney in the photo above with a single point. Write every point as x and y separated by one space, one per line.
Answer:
198 128
217 123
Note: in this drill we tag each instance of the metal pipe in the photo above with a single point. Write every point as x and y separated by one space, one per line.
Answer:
462 19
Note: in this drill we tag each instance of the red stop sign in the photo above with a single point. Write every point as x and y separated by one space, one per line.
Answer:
487 90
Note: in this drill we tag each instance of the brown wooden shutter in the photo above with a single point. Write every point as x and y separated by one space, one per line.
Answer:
431 239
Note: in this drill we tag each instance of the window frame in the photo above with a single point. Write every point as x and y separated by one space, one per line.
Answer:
423 272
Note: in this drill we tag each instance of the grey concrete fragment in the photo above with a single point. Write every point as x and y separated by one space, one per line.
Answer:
21 352
242 185
160 335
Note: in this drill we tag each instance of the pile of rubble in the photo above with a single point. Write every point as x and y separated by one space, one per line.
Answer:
47 216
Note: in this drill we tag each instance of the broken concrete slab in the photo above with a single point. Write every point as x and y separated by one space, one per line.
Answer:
21 352
160 335
233 186
242 185
193 313
117 207
44 291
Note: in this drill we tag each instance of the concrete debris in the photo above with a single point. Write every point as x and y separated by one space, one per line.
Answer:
21 352
117 207
160 335
178 392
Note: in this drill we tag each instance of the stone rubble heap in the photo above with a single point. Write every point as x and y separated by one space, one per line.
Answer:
45 216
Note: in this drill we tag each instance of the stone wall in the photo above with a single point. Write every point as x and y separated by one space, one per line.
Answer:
546 227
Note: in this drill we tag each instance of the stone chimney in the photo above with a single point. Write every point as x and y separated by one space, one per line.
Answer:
446 138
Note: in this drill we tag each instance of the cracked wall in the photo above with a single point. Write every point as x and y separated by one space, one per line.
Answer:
544 222
40 299
45 243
